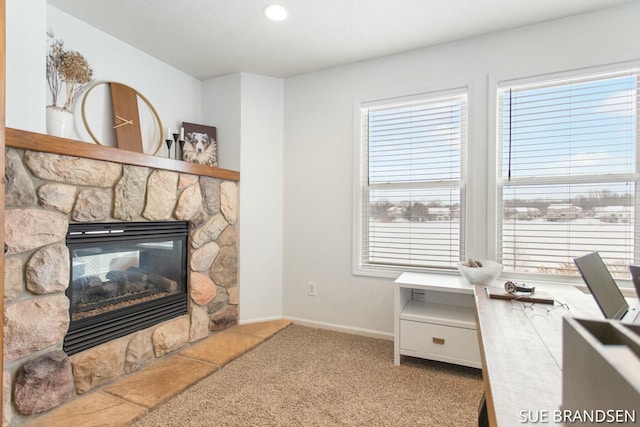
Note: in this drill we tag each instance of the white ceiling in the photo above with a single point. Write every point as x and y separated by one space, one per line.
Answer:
208 38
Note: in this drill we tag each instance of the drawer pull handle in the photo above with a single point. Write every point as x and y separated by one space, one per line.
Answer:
438 340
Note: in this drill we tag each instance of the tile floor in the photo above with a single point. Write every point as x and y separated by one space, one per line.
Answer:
120 403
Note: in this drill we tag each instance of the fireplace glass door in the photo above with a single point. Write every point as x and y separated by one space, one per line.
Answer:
124 277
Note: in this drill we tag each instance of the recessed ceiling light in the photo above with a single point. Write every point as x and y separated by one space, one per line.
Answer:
275 12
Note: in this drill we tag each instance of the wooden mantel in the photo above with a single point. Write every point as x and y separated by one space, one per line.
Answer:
50 144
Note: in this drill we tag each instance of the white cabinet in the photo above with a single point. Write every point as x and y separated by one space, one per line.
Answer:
435 319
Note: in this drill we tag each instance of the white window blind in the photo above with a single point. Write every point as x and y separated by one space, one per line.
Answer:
568 173
411 181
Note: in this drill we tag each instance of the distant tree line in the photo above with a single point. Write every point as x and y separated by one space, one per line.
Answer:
383 209
595 198
412 211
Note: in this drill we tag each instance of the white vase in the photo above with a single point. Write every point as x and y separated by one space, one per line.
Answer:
59 122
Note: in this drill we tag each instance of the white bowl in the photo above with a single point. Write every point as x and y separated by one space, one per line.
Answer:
484 275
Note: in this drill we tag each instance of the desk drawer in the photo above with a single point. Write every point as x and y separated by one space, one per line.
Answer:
445 343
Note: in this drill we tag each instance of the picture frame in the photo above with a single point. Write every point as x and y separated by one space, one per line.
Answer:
200 144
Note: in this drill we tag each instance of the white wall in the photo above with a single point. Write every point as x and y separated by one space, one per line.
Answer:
248 110
26 84
175 95
318 149
261 199
221 108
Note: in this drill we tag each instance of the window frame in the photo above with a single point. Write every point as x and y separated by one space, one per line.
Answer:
495 83
390 271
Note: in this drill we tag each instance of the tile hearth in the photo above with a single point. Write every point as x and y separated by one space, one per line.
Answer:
120 403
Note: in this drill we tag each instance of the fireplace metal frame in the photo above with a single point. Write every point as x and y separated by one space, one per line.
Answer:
90 332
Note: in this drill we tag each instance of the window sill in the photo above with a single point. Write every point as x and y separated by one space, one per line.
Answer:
394 272
391 272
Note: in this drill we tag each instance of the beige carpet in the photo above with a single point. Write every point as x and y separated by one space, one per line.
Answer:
313 377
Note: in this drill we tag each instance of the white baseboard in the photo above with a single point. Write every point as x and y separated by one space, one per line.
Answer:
340 328
260 319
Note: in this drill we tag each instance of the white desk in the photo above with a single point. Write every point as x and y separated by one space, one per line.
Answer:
522 352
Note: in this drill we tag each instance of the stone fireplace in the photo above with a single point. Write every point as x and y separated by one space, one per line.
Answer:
48 194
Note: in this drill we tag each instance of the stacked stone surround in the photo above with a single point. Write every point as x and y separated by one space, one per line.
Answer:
44 193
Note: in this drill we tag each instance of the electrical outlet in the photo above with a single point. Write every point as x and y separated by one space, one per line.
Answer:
311 289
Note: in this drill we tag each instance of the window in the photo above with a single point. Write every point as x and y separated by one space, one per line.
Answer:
568 173
410 208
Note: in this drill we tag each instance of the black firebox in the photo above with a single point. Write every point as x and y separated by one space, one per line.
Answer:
125 276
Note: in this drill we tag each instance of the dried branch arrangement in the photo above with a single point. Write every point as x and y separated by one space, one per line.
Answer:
68 67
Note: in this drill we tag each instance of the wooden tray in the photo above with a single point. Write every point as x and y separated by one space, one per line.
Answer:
538 296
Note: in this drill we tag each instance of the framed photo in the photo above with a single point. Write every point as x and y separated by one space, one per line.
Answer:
200 144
